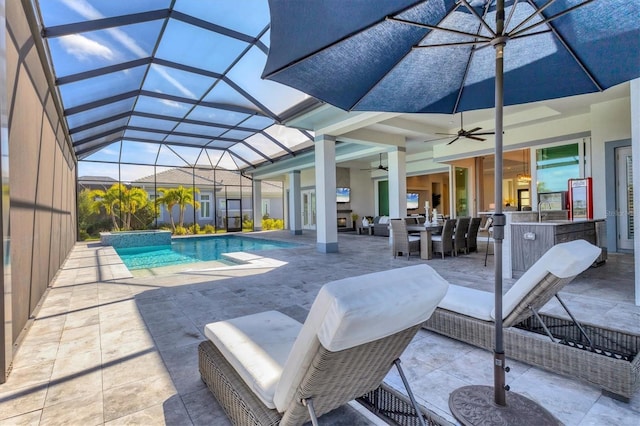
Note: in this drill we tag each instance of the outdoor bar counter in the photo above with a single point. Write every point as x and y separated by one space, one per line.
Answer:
526 239
530 240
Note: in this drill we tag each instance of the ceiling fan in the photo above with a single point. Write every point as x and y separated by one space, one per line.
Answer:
380 166
462 133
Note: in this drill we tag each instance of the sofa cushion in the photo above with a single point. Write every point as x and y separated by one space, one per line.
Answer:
257 347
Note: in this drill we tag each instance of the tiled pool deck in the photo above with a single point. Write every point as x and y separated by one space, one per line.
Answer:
108 348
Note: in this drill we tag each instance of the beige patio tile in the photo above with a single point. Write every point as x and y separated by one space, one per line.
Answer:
169 412
132 369
136 396
73 386
17 402
31 418
86 410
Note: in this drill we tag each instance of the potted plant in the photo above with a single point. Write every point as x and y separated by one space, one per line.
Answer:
354 218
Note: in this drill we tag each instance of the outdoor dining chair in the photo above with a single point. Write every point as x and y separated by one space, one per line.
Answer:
443 243
460 235
472 234
402 242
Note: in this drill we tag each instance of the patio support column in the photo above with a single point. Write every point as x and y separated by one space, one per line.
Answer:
295 204
326 205
635 153
257 205
398 183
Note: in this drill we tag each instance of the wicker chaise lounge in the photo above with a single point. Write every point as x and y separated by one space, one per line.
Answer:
268 369
468 315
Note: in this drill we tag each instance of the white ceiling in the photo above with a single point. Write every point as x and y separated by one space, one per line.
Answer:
418 128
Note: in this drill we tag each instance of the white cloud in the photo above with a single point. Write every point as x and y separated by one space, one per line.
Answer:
175 83
84 48
82 8
172 104
87 11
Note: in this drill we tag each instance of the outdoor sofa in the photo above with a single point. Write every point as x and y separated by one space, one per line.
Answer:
604 357
381 226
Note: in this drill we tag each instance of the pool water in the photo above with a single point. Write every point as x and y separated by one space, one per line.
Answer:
194 249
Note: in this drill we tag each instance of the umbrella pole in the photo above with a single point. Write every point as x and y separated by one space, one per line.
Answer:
499 219
498 235
472 405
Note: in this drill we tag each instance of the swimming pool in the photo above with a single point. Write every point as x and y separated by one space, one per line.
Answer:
193 249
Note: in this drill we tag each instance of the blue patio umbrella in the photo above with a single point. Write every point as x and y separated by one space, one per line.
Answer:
448 56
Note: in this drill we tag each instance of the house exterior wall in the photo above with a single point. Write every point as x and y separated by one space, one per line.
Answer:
610 121
217 197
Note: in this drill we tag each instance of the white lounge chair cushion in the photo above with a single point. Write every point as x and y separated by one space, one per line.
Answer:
257 347
414 238
563 260
468 301
357 310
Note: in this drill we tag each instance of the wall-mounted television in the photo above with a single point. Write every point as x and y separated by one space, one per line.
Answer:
413 200
343 195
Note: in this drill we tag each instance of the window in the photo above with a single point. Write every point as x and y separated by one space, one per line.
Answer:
205 205
556 165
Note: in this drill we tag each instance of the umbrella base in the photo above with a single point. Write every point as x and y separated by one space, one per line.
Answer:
474 405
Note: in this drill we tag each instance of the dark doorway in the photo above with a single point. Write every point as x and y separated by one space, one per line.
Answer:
234 215
524 199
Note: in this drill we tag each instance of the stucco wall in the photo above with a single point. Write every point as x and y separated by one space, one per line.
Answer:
610 121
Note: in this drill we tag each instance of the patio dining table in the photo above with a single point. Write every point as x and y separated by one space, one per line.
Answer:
425 238
433 229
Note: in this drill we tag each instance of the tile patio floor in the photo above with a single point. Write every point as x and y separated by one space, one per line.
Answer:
108 348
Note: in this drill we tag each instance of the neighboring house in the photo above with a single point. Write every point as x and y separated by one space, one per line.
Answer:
95 182
225 197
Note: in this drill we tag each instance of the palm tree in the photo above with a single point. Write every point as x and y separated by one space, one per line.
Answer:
132 200
181 197
119 200
107 200
169 200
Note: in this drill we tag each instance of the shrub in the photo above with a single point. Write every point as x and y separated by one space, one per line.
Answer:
194 229
247 223
209 229
272 224
180 230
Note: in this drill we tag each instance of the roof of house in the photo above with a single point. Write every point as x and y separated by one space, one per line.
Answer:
206 177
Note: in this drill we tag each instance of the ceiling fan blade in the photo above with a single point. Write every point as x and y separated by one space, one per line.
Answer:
475 138
447 134
485 133
438 139
455 139
474 130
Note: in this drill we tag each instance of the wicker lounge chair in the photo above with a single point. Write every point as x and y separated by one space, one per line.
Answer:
467 314
402 241
268 369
